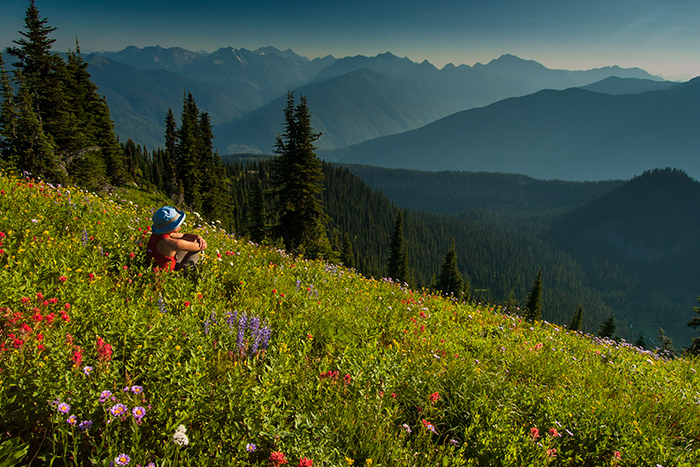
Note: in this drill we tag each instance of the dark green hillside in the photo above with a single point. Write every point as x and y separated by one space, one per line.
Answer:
616 85
571 135
509 195
639 246
497 258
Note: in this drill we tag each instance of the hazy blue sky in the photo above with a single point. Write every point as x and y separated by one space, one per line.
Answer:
661 36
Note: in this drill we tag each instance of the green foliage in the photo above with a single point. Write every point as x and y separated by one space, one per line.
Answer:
533 306
57 126
607 328
450 281
397 265
297 181
352 364
577 319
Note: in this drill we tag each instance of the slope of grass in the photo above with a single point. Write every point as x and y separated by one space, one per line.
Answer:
260 355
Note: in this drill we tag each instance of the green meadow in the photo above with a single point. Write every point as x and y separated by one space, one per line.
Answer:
259 358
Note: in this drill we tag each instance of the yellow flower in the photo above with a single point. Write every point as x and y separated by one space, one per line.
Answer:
368 462
349 461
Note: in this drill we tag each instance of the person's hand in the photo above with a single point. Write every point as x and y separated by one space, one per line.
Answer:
202 242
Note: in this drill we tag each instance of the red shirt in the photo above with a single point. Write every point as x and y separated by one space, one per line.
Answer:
160 261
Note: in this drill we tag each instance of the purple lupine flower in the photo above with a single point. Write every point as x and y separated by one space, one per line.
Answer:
231 319
85 424
104 395
63 407
85 237
265 334
254 334
161 305
241 331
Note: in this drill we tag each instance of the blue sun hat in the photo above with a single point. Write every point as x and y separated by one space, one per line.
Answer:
167 219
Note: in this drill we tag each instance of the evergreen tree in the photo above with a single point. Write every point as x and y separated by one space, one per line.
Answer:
397 265
607 328
666 348
640 342
511 305
257 224
450 281
577 320
297 182
533 307
694 348
8 118
347 257
171 183
189 169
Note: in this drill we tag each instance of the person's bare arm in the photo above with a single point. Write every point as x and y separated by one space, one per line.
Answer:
168 246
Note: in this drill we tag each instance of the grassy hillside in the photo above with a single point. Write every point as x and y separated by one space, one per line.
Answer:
261 355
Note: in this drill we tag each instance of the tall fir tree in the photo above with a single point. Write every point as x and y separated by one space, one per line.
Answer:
189 169
607 328
450 281
533 307
666 348
172 186
8 118
297 181
347 256
694 348
397 265
577 320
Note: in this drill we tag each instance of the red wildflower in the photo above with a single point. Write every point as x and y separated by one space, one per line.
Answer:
37 317
67 306
53 300
131 255
553 432
347 379
25 300
18 343
40 347
50 317
305 462
26 328
104 350
91 276
434 397
78 357
277 458
40 296
534 433
63 278
187 303
552 452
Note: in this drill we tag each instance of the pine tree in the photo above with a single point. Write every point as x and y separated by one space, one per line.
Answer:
8 118
347 257
666 348
257 223
297 182
511 305
533 307
172 186
450 281
189 169
397 265
577 320
607 328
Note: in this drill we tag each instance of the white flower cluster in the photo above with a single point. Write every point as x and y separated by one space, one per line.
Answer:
180 438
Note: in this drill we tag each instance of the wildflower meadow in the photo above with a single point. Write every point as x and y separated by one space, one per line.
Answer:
258 358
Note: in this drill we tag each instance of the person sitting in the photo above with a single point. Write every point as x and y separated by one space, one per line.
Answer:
168 248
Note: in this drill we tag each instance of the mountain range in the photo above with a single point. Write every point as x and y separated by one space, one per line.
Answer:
352 99
573 134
